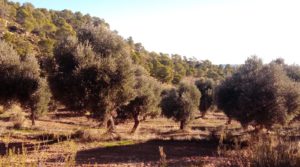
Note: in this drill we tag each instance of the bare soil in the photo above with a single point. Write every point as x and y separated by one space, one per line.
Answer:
51 142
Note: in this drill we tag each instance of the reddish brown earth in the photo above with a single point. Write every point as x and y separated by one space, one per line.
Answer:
195 147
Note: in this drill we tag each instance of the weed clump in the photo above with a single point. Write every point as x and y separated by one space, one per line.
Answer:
17 117
88 135
275 152
163 157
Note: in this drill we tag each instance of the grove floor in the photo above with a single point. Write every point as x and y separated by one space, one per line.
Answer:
50 142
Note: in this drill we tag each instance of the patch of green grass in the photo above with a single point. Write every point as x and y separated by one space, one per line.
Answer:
118 143
28 131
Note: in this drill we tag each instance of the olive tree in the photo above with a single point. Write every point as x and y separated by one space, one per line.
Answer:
260 95
293 71
20 81
205 86
146 100
105 42
181 103
84 79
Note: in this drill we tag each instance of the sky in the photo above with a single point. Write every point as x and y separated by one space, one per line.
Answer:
222 31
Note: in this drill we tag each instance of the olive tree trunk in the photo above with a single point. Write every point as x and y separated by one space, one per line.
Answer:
32 118
203 113
229 121
183 125
111 127
136 124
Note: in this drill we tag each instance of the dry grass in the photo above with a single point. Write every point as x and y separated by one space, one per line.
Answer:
264 150
18 119
37 157
1 109
275 152
64 146
88 135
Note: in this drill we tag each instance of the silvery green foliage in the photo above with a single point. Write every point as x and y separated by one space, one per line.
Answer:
206 87
259 94
20 80
84 79
181 103
147 97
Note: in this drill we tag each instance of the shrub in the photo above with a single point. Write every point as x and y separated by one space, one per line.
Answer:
88 135
270 152
46 46
17 117
5 9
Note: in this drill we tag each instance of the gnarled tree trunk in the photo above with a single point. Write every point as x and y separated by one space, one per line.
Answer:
136 124
183 125
110 125
32 118
229 121
203 113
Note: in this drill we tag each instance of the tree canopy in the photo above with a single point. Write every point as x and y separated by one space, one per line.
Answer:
258 94
20 81
146 101
206 87
181 103
96 80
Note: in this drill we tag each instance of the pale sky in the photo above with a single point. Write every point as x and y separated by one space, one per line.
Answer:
222 31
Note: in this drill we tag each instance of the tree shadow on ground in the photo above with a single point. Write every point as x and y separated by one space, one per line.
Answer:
45 141
147 152
5 119
19 147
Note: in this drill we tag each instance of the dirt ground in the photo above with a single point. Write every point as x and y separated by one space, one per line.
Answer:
50 142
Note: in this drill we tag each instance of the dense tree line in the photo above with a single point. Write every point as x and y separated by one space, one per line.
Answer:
38 30
77 61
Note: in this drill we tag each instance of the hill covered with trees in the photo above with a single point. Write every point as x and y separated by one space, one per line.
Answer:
37 31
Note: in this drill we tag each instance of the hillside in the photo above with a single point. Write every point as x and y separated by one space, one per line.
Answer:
36 31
